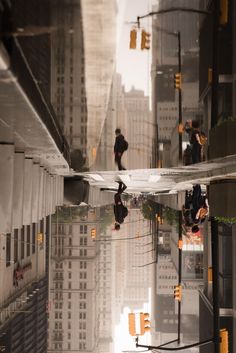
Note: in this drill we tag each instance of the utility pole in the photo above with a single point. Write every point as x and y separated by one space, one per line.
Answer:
180 272
214 228
180 96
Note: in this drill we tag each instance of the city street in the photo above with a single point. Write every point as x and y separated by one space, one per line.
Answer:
117 176
164 180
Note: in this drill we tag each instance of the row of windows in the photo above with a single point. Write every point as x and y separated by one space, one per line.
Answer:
24 237
58 346
82 252
167 118
61 229
167 277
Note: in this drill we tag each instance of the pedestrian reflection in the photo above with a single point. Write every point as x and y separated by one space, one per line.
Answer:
120 210
195 209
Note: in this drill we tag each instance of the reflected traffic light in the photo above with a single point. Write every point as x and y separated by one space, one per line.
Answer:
178 80
144 323
178 293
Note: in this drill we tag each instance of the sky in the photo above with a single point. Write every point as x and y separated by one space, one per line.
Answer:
133 65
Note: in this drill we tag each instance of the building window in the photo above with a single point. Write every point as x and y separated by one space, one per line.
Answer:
69 275
22 242
33 237
69 264
8 249
15 245
28 241
82 296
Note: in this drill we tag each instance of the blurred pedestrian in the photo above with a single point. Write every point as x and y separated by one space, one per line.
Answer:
120 210
187 157
121 145
196 145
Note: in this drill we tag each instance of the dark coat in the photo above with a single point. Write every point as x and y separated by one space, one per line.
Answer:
119 144
120 210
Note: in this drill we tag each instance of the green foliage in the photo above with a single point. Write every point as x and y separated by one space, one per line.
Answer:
226 220
106 220
150 209
171 216
69 214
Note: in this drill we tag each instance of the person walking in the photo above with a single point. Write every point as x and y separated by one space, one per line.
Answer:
120 211
121 145
195 142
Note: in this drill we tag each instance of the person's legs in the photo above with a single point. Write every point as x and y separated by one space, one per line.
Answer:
196 153
121 187
118 161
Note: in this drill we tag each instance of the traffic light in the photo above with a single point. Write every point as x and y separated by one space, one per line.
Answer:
180 128
40 237
209 75
133 39
93 233
178 80
132 330
223 12
178 293
180 244
145 40
144 323
224 341
159 219
209 274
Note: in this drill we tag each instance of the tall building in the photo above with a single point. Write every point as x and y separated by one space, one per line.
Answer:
68 92
139 129
72 283
81 282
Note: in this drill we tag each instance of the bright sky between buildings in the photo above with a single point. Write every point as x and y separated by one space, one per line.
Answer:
134 65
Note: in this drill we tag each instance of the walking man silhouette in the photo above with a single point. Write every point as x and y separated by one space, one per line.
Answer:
121 145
